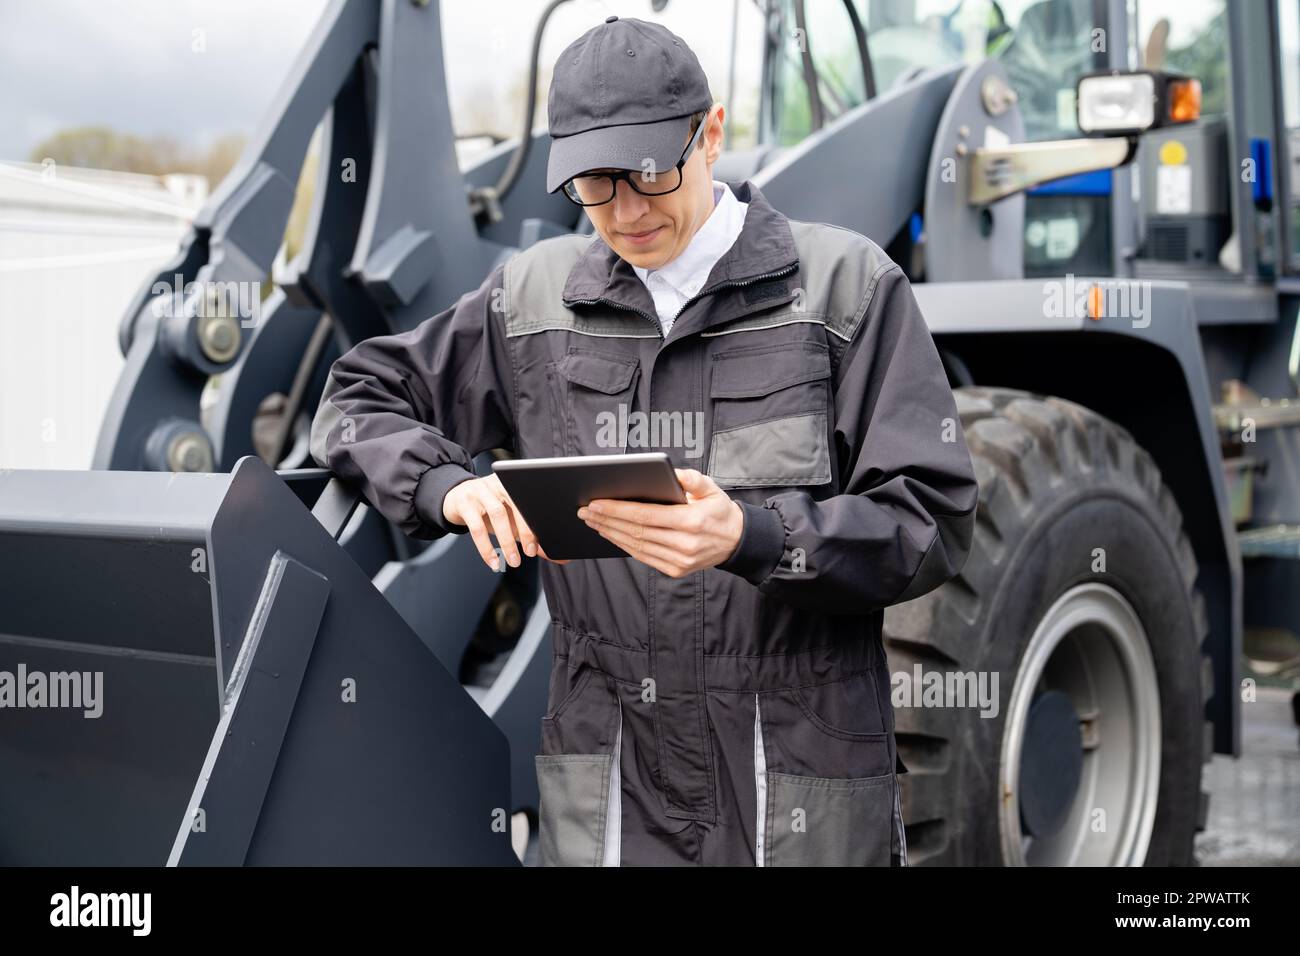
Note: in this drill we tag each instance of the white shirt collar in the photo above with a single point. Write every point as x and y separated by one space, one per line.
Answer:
689 271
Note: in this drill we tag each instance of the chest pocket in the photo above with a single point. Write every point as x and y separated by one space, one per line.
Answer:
593 393
771 409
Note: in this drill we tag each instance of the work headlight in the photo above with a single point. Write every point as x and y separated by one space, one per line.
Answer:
1125 104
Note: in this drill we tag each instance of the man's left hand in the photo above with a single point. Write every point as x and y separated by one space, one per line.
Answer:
675 539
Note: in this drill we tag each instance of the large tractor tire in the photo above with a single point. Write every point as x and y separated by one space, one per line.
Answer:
1080 595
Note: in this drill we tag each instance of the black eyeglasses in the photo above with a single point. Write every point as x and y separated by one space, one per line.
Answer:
596 189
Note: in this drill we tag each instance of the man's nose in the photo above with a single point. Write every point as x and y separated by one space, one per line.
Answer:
629 205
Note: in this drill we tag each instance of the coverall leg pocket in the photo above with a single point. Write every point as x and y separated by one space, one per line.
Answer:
578 776
574 802
826 790
824 821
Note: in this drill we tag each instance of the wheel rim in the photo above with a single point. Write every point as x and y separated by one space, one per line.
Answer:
1090 646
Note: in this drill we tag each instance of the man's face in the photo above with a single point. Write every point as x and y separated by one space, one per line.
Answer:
651 231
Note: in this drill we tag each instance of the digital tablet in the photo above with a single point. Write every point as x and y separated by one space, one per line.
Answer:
549 491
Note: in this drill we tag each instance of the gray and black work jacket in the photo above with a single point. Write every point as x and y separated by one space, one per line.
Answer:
825 411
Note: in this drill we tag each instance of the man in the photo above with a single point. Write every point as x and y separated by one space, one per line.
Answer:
721 695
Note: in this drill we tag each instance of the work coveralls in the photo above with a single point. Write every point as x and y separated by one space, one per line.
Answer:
741 714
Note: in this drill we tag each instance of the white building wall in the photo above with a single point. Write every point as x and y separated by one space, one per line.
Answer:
75 246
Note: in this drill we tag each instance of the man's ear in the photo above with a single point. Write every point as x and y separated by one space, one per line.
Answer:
713 133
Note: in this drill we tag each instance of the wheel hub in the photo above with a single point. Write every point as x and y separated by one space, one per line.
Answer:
1051 764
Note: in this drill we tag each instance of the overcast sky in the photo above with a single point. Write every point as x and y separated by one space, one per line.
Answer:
132 64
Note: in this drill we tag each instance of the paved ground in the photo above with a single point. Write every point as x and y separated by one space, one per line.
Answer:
1255 799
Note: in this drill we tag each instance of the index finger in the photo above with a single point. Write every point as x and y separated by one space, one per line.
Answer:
527 536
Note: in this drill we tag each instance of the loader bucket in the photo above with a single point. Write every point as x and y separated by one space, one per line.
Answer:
192 671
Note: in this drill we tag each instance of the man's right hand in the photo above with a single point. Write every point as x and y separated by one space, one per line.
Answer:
482 506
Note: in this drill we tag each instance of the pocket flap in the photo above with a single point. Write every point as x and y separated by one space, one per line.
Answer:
603 373
751 374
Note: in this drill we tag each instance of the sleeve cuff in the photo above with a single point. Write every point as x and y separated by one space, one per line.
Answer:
762 543
432 488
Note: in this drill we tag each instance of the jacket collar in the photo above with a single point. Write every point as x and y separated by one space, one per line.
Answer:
765 245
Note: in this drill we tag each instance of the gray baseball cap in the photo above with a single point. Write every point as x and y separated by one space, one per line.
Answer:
622 93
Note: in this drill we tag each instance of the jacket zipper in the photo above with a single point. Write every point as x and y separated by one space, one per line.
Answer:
619 305
784 270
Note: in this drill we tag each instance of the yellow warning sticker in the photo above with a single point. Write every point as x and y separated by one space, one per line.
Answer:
1173 153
